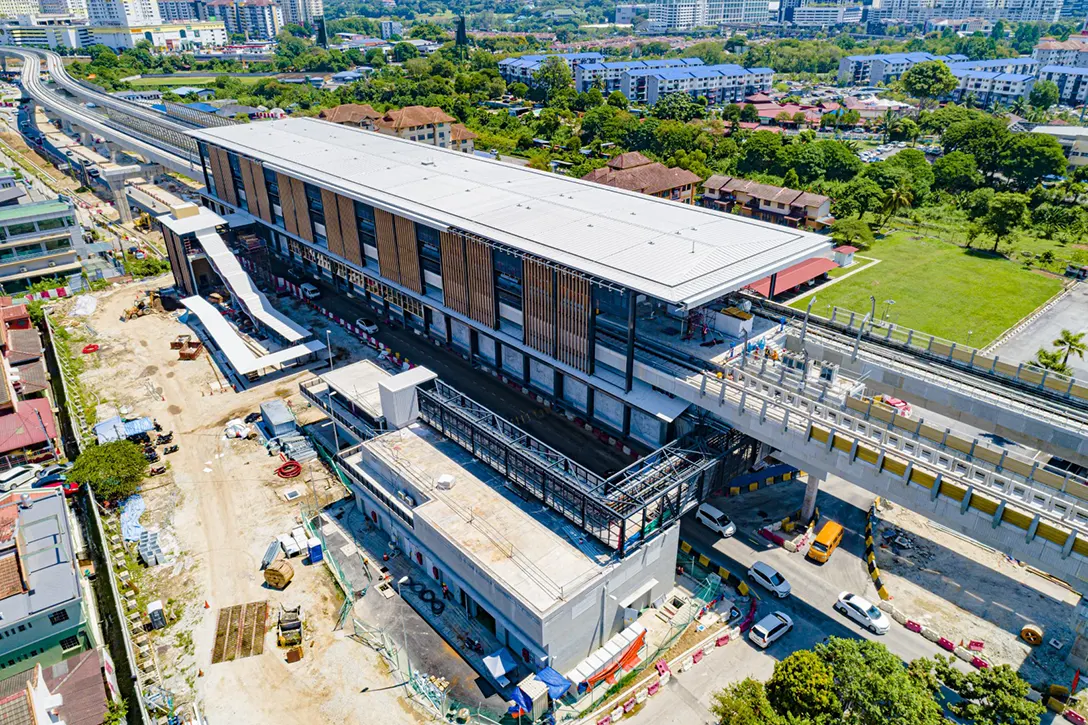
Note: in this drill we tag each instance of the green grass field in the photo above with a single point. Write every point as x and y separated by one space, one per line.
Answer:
185 81
939 288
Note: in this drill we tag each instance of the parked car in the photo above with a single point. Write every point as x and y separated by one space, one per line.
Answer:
715 520
54 469
768 577
57 480
770 629
863 612
367 325
18 475
309 291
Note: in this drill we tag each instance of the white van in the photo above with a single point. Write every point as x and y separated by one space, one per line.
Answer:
309 291
18 475
715 520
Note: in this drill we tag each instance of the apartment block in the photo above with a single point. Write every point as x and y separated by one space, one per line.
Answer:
726 83
110 13
42 32
255 19
302 12
389 28
918 12
609 76
543 278
1072 52
626 14
522 68
175 11
1072 83
38 241
871 70
823 15
41 599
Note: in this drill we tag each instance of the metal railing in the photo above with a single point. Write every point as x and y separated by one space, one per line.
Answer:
798 418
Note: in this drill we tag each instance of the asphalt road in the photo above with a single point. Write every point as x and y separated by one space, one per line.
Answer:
815 589
1071 313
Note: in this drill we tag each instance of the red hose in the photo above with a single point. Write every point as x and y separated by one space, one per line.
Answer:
88 349
291 469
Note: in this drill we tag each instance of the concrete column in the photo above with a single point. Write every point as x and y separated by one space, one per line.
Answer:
120 200
812 488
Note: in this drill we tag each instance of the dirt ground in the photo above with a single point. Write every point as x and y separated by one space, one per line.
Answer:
217 509
970 592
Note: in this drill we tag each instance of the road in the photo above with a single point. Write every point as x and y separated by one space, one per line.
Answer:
815 589
1070 313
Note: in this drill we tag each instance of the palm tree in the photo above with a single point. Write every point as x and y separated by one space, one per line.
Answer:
1051 360
970 99
1020 107
888 124
1071 342
896 200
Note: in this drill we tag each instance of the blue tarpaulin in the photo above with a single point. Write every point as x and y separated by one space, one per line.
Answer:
116 429
557 684
131 511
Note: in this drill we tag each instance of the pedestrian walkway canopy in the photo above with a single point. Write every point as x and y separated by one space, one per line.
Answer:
234 347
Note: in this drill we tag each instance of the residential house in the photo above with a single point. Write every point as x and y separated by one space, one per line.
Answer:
770 203
634 172
42 615
462 139
76 691
1073 139
416 123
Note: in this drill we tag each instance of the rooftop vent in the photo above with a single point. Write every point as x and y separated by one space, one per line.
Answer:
445 482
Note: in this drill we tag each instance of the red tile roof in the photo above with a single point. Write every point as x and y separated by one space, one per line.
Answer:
845 249
649 178
413 116
353 113
460 132
21 428
790 277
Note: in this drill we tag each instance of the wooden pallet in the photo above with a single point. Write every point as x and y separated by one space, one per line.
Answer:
239 631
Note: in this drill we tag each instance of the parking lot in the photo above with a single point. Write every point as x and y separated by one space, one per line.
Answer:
815 589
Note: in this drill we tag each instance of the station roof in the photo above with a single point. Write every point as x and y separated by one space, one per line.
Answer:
674 252
798 274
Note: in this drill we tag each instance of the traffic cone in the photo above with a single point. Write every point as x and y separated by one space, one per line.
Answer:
206 605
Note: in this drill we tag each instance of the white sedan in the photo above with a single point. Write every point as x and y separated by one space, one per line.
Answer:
770 629
366 325
863 612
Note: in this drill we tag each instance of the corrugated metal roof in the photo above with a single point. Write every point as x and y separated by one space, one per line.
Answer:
672 251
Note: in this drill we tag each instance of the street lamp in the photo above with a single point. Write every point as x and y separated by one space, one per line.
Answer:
969 333
403 630
887 308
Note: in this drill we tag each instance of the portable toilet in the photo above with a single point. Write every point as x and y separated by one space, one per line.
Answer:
277 418
313 545
155 614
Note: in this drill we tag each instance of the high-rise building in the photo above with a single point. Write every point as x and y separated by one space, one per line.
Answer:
681 15
255 19
389 28
15 8
302 12
921 11
173 11
123 13
73 8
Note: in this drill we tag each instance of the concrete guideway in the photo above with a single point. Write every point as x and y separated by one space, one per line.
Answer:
151 148
1030 523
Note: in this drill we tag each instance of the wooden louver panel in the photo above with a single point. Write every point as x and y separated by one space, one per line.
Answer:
387 245
228 179
287 203
454 287
258 199
349 230
572 326
538 306
481 282
408 254
183 275
332 222
249 186
302 211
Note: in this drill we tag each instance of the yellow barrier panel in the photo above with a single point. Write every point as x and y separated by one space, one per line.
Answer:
895 466
868 454
953 491
685 547
843 444
1080 546
734 490
753 487
983 504
922 478
742 589
1017 518
820 434
703 561
1051 533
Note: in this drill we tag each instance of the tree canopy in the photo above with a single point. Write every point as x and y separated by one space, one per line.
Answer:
113 471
